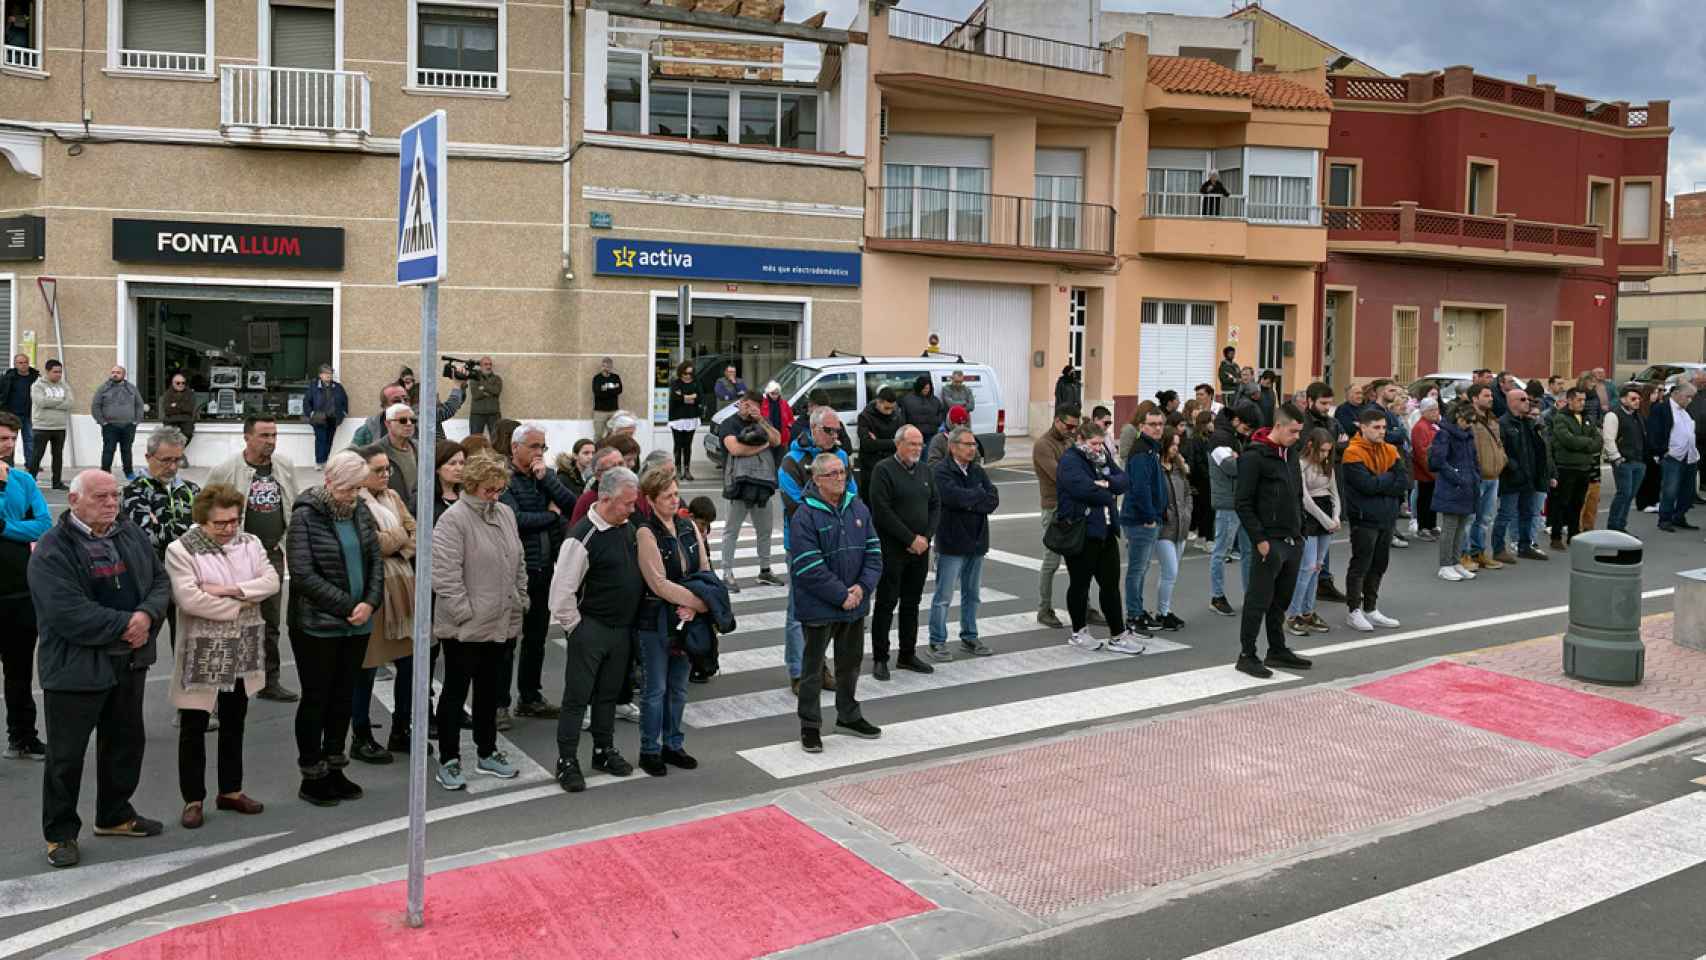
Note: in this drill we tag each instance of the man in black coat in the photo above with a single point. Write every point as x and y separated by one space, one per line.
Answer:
878 423
1269 495
962 539
540 502
905 510
1528 470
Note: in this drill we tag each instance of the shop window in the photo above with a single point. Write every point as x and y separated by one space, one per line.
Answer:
241 357
161 36
1632 345
458 45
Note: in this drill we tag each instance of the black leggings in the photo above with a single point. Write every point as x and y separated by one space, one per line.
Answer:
470 665
1099 561
43 440
233 706
1426 517
683 450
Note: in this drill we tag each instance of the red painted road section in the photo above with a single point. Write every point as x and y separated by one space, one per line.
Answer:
736 886
1579 724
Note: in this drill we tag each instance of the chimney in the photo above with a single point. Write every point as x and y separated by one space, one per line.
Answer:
1533 79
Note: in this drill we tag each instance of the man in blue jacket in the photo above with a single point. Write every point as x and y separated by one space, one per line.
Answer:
962 539
822 433
836 560
1140 518
24 517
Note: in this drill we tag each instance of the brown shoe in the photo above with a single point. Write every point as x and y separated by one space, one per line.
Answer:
1505 556
1468 562
241 803
192 818
828 677
1487 562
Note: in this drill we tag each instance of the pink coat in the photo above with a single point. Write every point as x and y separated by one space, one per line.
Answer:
244 565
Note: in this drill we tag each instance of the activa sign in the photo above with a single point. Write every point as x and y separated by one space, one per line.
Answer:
172 241
616 257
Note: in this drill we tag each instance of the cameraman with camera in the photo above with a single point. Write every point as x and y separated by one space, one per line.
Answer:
484 390
749 478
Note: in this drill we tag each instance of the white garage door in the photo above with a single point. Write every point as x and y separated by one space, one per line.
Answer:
1175 348
989 323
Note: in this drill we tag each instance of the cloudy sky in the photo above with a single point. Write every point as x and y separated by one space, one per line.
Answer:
1634 50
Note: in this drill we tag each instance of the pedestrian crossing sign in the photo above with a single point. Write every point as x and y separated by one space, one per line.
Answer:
422 231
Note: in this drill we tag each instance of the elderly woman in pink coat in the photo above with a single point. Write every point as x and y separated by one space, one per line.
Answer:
219 577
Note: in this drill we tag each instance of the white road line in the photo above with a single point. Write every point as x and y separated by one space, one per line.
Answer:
1482 904
965 669
1019 559
752 623
966 727
49 891
763 658
528 770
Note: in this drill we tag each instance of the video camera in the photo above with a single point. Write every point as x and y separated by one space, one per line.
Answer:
457 368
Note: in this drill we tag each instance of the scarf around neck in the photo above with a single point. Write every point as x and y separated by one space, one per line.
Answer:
323 497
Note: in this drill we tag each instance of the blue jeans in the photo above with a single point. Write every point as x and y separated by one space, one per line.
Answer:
1628 476
1139 544
1226 526
967 572
665 693
323 442
793 641
1168 551
1309 574
1676 486
1516 518
1486 506
117 437
1537 511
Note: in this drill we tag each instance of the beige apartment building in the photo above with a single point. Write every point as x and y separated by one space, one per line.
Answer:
214 183
1034 200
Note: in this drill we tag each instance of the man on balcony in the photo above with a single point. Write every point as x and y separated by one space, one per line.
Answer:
1212 190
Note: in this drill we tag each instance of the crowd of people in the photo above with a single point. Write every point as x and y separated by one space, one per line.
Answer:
600 544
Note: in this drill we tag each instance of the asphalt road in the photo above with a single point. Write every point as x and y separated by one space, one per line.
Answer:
294 843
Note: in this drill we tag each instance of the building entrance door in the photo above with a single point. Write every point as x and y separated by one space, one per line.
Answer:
1460 336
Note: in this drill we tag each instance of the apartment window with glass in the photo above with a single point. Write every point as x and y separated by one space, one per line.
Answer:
1280 184
937 188
1634 345
22 24
166 36
1637 211
1341 185
459 46
1059 195
702 111
625 92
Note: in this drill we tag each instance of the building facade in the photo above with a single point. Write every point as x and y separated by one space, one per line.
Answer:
1661 321
1475 222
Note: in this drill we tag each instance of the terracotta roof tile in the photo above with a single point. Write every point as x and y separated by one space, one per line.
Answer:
1190 75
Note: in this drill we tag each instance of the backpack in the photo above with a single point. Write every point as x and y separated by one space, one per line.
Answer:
714 449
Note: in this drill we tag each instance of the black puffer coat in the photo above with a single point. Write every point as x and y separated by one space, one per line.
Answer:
541 530
320 601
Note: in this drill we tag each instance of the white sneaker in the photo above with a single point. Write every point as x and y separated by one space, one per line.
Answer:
1652 509
1450 573
628 711
1463 572
1083 641
1382 620
1359 622
1128 642
1399 542
1415 528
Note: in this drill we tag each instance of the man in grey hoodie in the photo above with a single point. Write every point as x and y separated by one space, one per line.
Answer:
957 392
117 407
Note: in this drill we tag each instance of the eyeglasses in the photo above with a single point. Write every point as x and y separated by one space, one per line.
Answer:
167 459
408 420
967 442
833 475
222 524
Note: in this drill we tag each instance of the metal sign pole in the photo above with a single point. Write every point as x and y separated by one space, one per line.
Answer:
683 310
426 421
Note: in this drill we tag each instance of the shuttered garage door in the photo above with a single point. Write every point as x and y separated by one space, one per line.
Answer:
989 323
1176 348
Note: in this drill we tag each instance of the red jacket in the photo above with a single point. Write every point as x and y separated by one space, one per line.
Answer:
787 423
1422 437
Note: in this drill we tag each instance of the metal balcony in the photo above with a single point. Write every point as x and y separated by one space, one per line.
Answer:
960 223
971 36
255 100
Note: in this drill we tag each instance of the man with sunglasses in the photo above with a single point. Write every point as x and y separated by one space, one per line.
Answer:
267 482
399 445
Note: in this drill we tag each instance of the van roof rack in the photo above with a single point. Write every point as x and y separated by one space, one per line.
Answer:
843 353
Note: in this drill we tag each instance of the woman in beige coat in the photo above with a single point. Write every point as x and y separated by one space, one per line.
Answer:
394 622
480 580
219 577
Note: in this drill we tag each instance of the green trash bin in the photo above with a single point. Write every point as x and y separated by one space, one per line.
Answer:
1603 643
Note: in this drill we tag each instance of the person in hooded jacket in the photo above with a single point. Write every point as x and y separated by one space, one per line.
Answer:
1376 479
1140 517
1456 472
1232 428
878 423
922 408
1269 498
1089 484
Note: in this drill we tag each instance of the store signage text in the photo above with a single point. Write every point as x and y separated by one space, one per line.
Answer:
707 261
170 241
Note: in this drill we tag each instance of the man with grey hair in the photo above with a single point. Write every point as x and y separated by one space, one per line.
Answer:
595 597
905 509
962 539
100 596
1671 433
158 501
540 502
622 424
606 396
836 561
399 446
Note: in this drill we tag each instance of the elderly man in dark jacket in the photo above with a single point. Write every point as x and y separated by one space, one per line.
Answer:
540 502
836 561
905 508
962 539
100 595
1528 470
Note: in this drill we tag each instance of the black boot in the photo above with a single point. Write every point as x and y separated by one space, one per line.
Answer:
366 749
317 786
1326 591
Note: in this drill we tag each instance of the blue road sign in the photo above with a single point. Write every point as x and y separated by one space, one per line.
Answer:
423 234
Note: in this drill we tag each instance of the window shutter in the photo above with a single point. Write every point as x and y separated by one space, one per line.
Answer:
304 37
177 26
1637 212
1060 163
938 151
6 318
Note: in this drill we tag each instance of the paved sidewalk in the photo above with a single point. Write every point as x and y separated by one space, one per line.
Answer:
1674 681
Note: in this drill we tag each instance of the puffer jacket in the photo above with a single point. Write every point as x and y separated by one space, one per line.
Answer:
478 577
320 601
924 412
1223 470
1147 499
834 548
1270 491
1456 469
1372 494
541 531
1421 438
1080 497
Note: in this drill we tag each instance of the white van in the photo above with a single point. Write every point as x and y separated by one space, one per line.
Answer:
851 381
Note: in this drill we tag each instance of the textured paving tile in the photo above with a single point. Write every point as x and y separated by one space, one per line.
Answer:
1674 682
1065 824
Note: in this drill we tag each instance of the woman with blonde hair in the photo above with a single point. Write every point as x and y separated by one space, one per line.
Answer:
219 577
669 550
393 636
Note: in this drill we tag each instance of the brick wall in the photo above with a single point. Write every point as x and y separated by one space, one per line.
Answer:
720 50
1688 232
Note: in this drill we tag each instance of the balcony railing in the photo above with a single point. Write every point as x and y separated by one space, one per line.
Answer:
23 58
972 36
162 61
1408 223
989 219
1207 206
456 79
1465 82
329 101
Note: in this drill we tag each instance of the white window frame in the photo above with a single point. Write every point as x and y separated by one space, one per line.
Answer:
953 191
645 90
264 21
1077 324
115 37
411 79
37 46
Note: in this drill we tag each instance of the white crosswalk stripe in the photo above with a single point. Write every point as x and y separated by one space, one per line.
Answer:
763 658
751 623
1482 904
527 769
961 728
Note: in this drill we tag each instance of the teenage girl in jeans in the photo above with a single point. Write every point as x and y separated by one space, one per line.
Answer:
1320 522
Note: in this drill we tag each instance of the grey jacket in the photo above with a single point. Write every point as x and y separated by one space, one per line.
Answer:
1176 521
50 404
960 395
477 573
117 403
82 641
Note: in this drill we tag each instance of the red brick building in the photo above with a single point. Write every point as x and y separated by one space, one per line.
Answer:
1475 222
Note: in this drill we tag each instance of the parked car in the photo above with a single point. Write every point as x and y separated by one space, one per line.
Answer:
851 381
1449 384
1668 373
